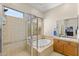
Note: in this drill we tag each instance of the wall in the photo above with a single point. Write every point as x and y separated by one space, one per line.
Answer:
58 13
78 14
78 8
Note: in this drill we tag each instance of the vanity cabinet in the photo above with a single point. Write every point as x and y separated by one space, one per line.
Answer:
66 47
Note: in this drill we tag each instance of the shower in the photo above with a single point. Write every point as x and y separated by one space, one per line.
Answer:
35 30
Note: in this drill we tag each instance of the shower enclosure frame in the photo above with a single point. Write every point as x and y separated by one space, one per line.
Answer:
31 32
2 17
1 37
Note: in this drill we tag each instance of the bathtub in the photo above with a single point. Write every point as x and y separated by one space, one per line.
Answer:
41 43
42 48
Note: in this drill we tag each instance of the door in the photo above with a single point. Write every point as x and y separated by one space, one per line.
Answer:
33 35
34 31
70 48
58 45
0 34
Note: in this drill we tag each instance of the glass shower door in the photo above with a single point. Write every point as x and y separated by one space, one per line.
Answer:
78 33
34 32
32 37
28 36
0 35
37 32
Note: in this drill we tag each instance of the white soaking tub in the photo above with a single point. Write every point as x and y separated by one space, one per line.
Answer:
41 47
41 42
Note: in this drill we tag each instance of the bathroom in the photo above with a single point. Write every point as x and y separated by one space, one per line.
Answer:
27 29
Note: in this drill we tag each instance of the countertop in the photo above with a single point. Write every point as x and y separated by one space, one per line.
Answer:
67 39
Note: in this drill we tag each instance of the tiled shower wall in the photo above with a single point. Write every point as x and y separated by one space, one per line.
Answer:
14 35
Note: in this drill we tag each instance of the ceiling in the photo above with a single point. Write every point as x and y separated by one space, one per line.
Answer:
44 6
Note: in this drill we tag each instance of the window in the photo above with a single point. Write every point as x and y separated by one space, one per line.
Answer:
14 13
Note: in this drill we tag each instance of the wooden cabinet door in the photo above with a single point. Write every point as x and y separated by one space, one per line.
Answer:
58 46
55 45
78 49
69 49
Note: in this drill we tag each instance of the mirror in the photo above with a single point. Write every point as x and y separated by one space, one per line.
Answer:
67 27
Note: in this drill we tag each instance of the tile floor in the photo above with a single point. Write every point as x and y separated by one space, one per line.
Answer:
24 53
0 54
56 54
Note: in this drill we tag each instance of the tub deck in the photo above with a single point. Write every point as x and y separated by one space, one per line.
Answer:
41 51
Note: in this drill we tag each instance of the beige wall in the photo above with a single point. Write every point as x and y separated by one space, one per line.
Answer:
59 13
78 9
1 10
